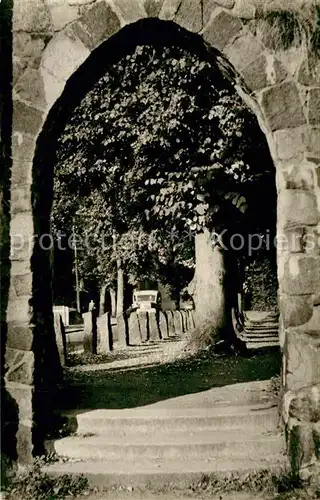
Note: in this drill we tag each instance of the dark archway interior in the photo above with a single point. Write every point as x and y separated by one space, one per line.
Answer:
151 32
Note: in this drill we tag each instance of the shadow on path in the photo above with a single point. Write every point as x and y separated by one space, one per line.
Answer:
143 385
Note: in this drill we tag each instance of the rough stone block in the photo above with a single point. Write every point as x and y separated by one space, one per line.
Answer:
154 332
20 200
313 142
301 276
243 51
26 119
244 10
298 208
96 25
23 148
292 240
163 325
316 439
311 241
105 333
208 8
296 310
63 55
22 284
17 70
282 106
309 72
189 15
221 29
153 7
303 354
21 173
19 366
21 236
290 142
53 87
61 340
304 405
30 88
318 176
61 14
226 4
300 446
282 341
143 324
19 309
19 336
79 2
299 176
169 9
314 106
28 48
23 396
134 330
36 19
129 12
313 325
255 74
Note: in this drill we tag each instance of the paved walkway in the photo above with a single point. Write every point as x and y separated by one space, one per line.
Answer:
114 495
150 354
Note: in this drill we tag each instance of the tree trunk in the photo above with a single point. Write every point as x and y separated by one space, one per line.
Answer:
120 288
209 282
102 299
113 300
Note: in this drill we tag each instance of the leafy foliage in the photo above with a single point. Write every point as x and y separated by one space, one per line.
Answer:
159 144
261 283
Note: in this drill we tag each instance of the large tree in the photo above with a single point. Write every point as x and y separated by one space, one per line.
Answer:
162 143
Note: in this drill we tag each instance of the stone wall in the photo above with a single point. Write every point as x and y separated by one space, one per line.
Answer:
52 40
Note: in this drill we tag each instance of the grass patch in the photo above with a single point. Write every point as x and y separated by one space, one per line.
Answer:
33 484
129 388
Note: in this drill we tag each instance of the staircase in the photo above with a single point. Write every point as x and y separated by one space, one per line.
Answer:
257 329
176 441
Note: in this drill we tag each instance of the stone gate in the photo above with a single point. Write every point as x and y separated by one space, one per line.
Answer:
54 41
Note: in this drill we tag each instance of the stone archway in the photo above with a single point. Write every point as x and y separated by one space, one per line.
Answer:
51 41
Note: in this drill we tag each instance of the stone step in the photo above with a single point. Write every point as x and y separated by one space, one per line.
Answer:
154 474
262 326
262 338
96 448
262 333
220 417
261 330
261 345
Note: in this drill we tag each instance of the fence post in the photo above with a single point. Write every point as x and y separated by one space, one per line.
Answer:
170 319
134 329
144 327
90 332
178 322
61 340
122 326
105 333
163 325
154 333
